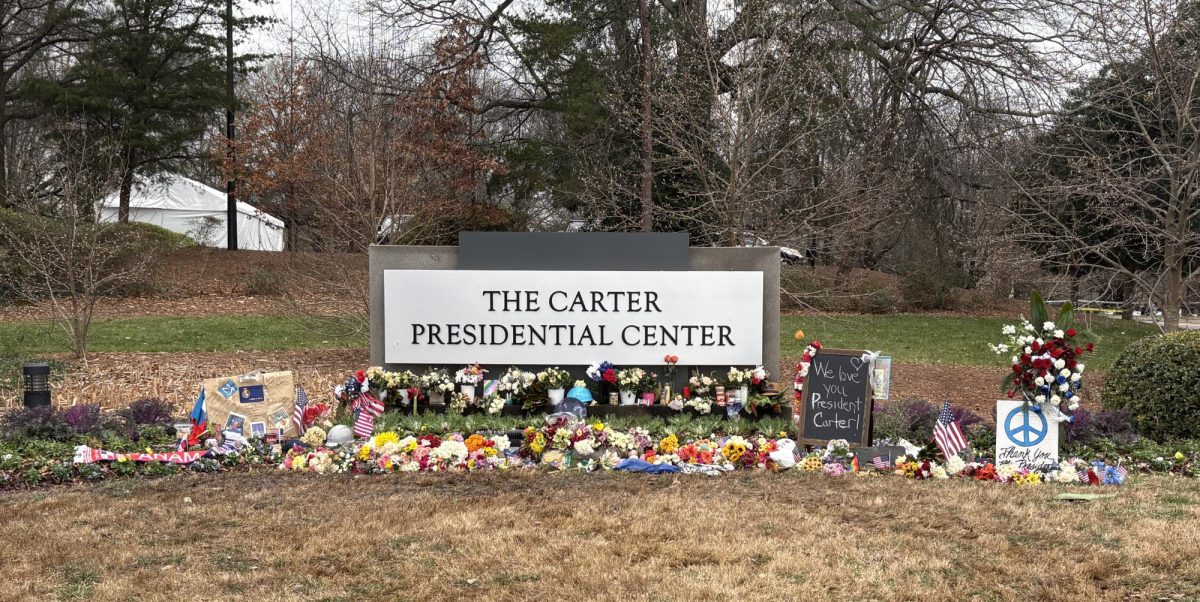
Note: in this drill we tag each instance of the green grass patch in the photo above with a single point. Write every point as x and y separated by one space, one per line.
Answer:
214 333
942 339
907 338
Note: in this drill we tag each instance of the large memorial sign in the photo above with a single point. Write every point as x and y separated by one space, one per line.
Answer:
836 401
1024 436
529 317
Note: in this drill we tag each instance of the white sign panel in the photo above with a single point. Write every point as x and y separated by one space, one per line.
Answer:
1024 437
572 318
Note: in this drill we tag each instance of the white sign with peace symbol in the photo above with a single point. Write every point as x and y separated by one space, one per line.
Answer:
1024 436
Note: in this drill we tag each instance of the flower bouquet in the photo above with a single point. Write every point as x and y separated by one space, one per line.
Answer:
635 381
604 377
468 377
1045 368
514 382
436 383
555 380
398 386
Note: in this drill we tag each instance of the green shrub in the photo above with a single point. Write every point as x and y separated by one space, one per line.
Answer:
1157 380
133 243
157 236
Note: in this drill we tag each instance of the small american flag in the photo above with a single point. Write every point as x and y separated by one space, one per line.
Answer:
369 409
298 414
1083 478
880 464
1122 472
946 434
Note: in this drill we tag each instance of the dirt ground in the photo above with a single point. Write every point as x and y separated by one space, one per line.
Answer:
574 536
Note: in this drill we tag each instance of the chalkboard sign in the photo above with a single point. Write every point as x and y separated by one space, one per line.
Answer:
836 401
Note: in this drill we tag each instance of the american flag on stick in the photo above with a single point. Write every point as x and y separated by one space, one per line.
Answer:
946 434
880 464
298 414
369 409
1121 471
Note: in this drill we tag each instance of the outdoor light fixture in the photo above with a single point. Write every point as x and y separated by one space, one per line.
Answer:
37 383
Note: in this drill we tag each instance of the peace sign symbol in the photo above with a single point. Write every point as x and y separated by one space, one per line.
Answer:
1025 434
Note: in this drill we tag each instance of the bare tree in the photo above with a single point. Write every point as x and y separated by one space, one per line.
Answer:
28 29
70 263
1116 180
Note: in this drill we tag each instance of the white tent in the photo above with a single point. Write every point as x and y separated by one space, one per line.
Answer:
189 207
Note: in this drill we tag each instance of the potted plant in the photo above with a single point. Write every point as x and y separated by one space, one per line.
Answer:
738 380
436 383
648 387
514 382
468 377
555 380
630 381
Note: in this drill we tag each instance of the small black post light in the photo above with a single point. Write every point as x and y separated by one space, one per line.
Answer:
37 383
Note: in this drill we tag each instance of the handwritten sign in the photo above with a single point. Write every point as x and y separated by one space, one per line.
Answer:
836 402
1024 437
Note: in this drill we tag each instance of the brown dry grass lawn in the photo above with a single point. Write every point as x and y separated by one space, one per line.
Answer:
601 537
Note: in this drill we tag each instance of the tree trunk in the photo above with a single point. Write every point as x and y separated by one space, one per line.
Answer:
3 159
1126 291
647 141
1173 293
126 192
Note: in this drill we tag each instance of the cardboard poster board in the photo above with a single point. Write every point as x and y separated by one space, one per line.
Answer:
252 404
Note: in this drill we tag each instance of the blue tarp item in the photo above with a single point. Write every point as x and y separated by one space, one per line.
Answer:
636 465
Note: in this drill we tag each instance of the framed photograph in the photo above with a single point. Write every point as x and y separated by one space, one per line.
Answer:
258 429
279 419
881 377
236 422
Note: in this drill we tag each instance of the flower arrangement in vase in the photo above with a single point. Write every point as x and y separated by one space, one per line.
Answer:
436 382
555 380
604 376
468 377
1045 368
629 382
514 382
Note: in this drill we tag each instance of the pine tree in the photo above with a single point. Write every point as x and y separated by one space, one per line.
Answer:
150 83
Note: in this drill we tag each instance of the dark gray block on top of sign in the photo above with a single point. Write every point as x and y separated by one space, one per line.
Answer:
764 259
592 251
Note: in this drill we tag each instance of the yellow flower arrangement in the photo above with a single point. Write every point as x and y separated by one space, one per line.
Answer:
384 438
538 444
670 444
1032 478
812 463
364 452
314 436
599 426
733 451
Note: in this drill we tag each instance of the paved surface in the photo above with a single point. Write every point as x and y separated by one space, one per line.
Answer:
1188 323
